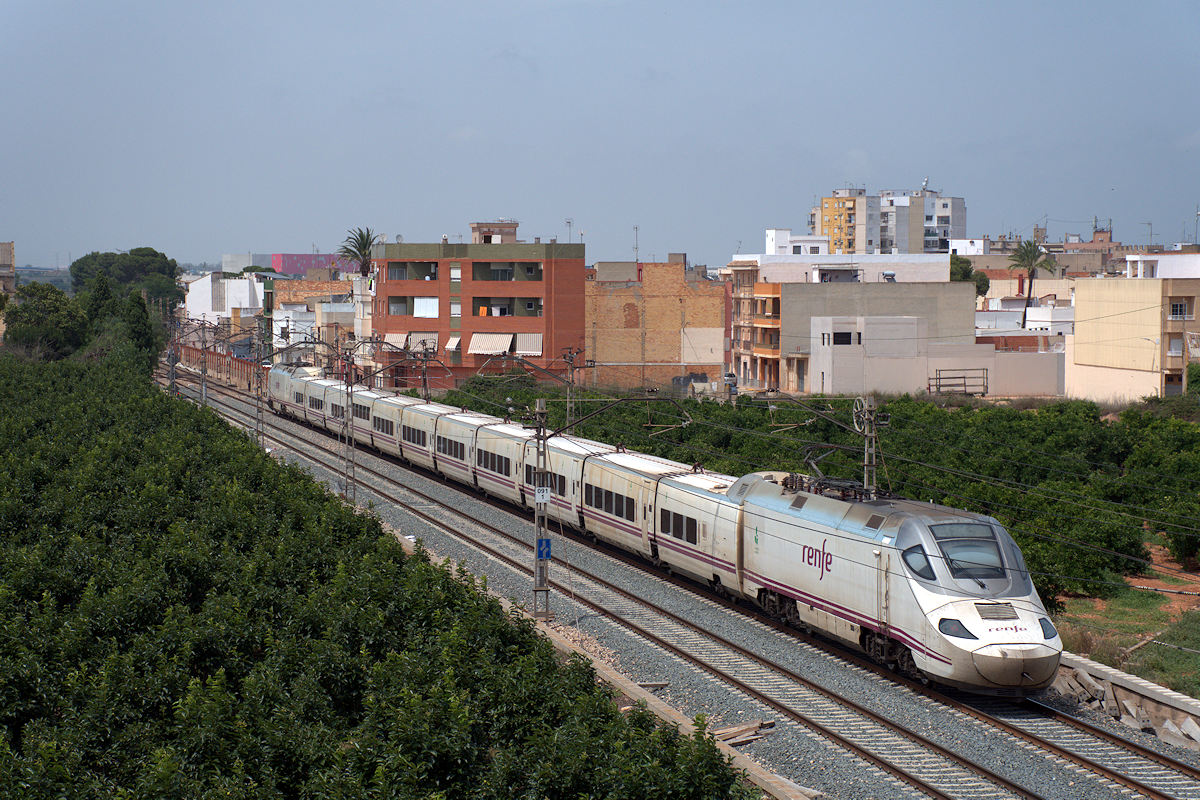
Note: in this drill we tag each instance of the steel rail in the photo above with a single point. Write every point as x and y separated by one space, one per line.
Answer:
954 703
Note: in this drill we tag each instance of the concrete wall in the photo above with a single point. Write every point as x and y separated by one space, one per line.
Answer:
1117 322
895 357
907 268
1109 385
948 308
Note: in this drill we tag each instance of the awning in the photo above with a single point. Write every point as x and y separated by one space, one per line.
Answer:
396 339
452 344
529 344
418 341
489 344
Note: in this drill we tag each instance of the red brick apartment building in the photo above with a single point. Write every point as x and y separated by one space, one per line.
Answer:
471 302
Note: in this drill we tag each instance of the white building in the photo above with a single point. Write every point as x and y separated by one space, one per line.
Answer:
1162 265
971 247
867 268
782 242
215 296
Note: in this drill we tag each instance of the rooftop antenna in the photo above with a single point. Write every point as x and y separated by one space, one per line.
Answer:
570 222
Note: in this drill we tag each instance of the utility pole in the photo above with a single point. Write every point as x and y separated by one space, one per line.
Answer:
569 357
172 355
867 422
349 481
541 494
203 365
258 385
425 355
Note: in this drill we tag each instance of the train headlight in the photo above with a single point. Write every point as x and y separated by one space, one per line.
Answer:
952 627
1048 628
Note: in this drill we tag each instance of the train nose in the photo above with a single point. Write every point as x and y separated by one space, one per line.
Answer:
1022 665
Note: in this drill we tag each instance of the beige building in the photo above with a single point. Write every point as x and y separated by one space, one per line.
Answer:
771 329
8 268
1129 337
895 355
653 324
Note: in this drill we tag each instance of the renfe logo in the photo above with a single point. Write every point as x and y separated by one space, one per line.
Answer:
817 558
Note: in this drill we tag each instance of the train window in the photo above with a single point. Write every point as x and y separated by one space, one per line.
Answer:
587 494
608 501
384 426
972 558
962 530
556 482
298 397
630 513
316 404
336 411
409 434
970 549
664 521
691 531
361 411
493 462
918 562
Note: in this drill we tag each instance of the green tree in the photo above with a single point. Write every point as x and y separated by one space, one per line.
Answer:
139 268
960 270
45 319
356 248
99 300
1029 258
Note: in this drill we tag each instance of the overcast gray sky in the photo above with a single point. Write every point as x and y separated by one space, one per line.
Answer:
203 128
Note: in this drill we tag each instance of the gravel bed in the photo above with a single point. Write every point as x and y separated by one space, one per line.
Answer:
790 749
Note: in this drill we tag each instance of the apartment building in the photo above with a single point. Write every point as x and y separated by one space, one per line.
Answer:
849 219
764 288
920 221
465 304
1132 333
655 324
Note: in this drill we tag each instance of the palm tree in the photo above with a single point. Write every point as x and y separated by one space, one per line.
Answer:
356 248
1029 258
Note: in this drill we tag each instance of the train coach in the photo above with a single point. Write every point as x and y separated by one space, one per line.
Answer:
939 593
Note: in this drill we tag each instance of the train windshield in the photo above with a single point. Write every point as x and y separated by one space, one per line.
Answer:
970 548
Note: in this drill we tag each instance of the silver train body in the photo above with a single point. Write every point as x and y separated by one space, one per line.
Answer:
939 593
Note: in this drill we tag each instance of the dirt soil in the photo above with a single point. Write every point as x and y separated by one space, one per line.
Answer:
1176 604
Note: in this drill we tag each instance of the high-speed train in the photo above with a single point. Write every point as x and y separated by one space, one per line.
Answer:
939 593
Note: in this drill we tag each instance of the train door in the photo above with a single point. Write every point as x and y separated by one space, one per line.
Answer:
883 559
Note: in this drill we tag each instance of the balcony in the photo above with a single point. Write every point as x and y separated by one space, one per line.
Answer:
766 320
766 350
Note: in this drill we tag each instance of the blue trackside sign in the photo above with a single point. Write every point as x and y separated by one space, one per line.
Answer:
543 549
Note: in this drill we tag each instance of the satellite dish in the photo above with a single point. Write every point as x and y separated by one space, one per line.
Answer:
399 239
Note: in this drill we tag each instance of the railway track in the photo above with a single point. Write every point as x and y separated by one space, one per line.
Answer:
925 765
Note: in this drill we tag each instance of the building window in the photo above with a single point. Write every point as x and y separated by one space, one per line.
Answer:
455 272
456 308
397 306
843 337
425 307
397 272
1179 309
